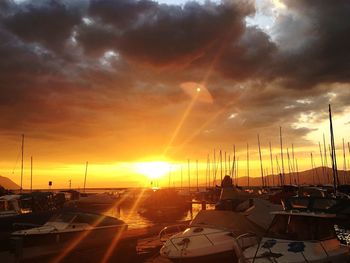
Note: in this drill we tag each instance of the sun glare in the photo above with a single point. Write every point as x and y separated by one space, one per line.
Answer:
153 170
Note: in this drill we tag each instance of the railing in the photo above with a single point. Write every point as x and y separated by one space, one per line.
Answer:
169 231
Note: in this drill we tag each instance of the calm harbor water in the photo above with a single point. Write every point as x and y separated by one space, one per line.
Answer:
135 220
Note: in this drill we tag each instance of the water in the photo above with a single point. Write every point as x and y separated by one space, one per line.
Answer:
136 221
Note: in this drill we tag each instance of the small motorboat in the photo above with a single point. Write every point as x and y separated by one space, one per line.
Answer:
67 225
164 205
10 206
296 236
211 235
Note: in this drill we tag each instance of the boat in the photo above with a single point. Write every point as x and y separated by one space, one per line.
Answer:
286 192
211 235
296 236
164 205
232 198
10 206
95 202
70 224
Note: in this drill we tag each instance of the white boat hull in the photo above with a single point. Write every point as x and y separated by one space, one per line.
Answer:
193 243
308 251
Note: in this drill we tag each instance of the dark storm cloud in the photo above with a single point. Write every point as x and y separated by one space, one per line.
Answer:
162 34
248 57
54 67
317 34
46 22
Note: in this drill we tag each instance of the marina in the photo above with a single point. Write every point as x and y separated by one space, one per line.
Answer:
227 231
163 131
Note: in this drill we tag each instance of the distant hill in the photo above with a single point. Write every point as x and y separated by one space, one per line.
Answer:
8 183
319 175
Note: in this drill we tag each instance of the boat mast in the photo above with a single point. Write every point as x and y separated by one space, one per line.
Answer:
325 158
220 166
225 164
237 171
334 158
279 170
293 166
233 163
248 162
22 163
228 169
323 172
281 143
297 169
209 170
31 173
261 165
312 169
214 169
272 173
197 175
181 177
290 174
206 173
86 168
344 160
189 176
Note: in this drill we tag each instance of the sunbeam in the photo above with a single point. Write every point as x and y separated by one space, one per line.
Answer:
116 239
74 243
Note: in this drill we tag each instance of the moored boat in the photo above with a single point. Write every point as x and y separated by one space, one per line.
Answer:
210 235
296 236
68 225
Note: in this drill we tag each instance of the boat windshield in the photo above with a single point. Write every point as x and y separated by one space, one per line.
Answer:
64 218
298 227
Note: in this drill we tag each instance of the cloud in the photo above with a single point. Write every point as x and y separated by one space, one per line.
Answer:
47 22
147 32
316 35
82 69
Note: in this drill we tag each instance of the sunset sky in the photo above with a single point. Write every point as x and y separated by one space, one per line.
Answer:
123 83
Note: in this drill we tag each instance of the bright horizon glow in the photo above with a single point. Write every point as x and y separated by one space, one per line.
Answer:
153 170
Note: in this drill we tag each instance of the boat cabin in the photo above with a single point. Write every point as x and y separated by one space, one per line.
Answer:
10 205
302 226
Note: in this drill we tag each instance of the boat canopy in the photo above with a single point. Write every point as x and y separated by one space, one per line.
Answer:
227 220
318 204
298 227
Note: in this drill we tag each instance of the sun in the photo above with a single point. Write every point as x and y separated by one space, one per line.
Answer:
153 170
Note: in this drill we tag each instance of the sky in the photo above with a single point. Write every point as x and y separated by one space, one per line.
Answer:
127 82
